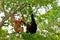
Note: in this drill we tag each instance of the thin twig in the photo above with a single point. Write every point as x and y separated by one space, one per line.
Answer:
3 8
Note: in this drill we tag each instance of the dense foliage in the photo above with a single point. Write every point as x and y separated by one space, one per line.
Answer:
48 23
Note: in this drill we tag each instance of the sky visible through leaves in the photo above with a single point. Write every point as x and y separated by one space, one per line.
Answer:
41 10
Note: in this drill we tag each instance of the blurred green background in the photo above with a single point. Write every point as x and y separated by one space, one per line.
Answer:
46 13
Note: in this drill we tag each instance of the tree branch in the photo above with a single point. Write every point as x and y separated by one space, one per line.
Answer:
3 8
9 14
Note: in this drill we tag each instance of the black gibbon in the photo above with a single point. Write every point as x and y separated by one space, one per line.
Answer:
32 27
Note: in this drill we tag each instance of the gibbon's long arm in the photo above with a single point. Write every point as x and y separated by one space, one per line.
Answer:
33 26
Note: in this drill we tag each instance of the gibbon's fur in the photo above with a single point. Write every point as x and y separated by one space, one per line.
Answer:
17 23
31 28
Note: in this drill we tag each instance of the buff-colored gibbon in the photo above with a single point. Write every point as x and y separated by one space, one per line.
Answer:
17 23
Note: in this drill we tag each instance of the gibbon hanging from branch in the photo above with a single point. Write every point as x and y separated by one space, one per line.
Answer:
17 23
